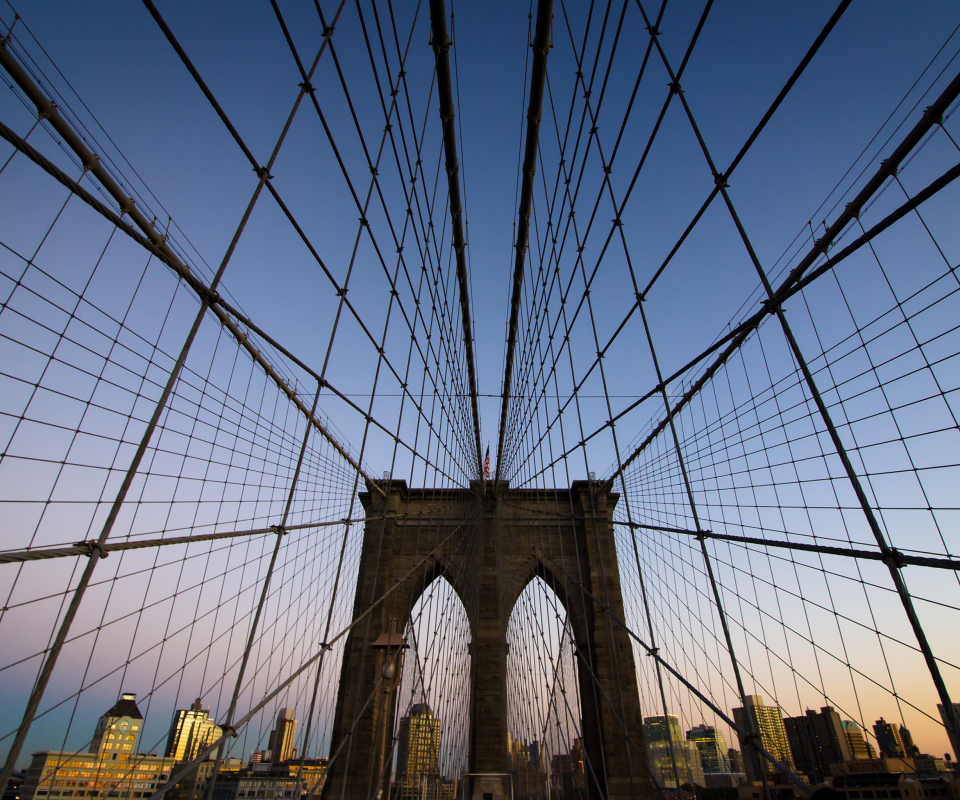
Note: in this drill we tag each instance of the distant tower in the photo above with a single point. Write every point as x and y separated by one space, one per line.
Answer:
817 741
768 723
943 716
888 739
119 728
190 731
283 735
664 745
860 748
735 759
907 738
418 753
712 747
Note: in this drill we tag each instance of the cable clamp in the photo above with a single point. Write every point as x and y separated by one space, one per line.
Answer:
653 651
261 172
675 87
279 529
229 730
307 87
91 163
892 558
325 646
127 206
92 546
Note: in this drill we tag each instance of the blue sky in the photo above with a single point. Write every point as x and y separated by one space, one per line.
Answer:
130 80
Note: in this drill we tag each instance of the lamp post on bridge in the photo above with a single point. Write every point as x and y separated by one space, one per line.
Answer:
392 670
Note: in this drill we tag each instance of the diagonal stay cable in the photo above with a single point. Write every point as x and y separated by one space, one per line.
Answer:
306 87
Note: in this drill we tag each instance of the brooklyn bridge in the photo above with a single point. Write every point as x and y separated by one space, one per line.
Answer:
401 400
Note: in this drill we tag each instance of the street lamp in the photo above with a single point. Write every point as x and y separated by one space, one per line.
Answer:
392 670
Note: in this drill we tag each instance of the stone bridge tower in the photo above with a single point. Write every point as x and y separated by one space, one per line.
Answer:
509 537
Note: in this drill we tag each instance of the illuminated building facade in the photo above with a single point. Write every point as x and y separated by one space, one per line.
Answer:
113 768
283 736
767 722
190 731
418 755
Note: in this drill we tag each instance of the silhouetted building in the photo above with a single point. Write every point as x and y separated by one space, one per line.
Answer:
767 722
859 746
527 778
943 716
736 760
114 768
888 739
816 742
712 747
193 785
283 736
418 754
191 730
563 778
272 780
667 749
907 738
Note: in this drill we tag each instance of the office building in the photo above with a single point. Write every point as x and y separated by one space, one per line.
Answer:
191 730
907 738
859 746
888 739
669 755
113 768
418 754
566 775
817 741
767 722
522 759
272 780
712 747
943 716
283 735
736 760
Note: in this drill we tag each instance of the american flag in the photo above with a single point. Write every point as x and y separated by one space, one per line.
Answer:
486 464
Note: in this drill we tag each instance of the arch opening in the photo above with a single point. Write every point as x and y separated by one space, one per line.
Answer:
432 721
544 717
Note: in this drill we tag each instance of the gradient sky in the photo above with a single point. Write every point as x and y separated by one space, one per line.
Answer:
117 60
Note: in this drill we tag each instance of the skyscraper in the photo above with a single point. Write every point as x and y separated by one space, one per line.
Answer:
816 742
418 753
664 746
767 722
907 738
712 747
888 739
283 735
190 731
736 760
943 716
860 748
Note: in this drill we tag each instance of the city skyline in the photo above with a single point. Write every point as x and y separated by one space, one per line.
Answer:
689 269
